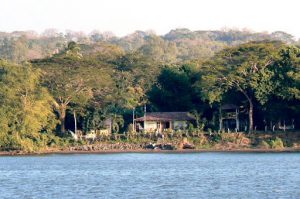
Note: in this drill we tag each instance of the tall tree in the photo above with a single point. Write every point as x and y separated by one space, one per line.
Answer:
72 79
25 106
245 69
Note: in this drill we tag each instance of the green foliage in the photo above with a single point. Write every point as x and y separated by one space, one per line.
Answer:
73 80
243 68
159 50
117 122
93 120
276 143
104 77
257 70
216 137
175 46
286 69
174 90
190 127
25 106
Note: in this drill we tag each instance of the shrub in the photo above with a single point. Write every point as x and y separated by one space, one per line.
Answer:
276 143
190 128
216 137
264 145
130 128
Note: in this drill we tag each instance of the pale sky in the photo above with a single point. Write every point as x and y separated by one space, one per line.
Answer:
125 16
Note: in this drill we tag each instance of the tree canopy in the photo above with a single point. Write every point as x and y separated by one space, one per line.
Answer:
82 85
258 70
25 106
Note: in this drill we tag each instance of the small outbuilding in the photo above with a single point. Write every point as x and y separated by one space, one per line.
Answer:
161 121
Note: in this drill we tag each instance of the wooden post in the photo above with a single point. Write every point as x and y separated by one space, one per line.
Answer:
237 122
133 123
145 111
161 127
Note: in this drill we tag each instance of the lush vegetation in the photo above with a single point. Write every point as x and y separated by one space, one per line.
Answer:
50 84
177 45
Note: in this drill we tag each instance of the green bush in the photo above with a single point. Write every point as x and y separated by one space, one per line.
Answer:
26 143
15 142
277 143
216 137
190 128
130 128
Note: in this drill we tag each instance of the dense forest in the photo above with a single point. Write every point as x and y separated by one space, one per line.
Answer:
54 82
176 46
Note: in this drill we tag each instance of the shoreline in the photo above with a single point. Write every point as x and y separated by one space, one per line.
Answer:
180 151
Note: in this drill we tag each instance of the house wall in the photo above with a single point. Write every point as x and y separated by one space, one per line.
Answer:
153 125
150 126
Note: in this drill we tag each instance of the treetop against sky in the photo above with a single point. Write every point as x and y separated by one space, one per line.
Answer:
125 16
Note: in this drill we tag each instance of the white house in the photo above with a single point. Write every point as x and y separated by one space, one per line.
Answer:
160 121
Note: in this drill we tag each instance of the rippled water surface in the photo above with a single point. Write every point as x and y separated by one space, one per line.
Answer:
197 175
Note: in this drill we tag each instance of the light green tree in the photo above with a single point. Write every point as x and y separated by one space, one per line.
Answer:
25 106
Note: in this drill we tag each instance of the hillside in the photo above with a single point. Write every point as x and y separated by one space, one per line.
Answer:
177 45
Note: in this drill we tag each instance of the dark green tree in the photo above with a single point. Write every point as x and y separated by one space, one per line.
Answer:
174 90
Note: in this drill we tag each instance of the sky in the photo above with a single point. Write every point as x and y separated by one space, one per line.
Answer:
126 16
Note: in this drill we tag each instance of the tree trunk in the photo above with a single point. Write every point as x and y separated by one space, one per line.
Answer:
250 116
250 110
62 117
75 122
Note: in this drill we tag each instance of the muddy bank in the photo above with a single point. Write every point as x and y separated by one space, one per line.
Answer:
137 149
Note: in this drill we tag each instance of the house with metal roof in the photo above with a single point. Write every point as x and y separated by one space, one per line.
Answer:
161 121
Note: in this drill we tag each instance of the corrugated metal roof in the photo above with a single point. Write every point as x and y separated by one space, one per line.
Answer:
167 116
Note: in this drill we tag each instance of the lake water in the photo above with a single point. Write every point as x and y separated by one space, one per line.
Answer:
133 175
